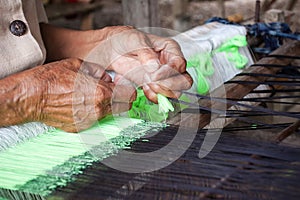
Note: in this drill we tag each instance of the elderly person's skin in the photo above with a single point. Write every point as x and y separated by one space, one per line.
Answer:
70 94
140 57
61 95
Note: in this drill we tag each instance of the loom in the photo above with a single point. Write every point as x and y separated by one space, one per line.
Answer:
40 162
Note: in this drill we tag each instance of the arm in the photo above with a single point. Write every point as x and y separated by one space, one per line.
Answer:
14 109
152 62
64 43
67 94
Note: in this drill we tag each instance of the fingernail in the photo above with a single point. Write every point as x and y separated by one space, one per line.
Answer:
152 66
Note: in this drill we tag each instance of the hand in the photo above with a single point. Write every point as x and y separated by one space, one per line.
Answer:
152 62
171 77
71 95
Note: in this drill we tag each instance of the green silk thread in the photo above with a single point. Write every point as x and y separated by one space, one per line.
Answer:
142 108
204 66
231 48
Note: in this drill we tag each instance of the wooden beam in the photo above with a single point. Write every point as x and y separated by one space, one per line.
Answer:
141 13
287 131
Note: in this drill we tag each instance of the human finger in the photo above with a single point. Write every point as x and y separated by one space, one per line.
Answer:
121 80
165 91
169 52
149 59
95 71
150 94
123 93
141 47
124 64
72 64
178 82
165 71
135 44
176 62
138 75
120 107
165 43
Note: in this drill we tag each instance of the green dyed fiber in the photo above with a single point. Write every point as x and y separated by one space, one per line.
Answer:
52 159
231 47
164 104
204 66
142 108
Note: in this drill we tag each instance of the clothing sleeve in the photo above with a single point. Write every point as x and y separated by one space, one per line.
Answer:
41 13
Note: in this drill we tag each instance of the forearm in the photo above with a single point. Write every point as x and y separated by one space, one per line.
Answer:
64 43
16 99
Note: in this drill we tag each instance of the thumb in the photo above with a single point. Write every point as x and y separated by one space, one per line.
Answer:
94 70
123 96
122 93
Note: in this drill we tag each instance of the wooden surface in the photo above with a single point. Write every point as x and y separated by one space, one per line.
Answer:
141 13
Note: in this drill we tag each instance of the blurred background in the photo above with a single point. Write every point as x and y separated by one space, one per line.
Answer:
179 15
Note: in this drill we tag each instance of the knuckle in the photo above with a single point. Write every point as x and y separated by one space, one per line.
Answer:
73 61
189 80
182 63
177 95
171 41
156 87
133 96
156 76
179 63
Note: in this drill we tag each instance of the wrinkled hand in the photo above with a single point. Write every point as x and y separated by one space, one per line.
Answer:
72 95
154 63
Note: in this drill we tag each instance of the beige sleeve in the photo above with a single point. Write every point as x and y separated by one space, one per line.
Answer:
41 13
